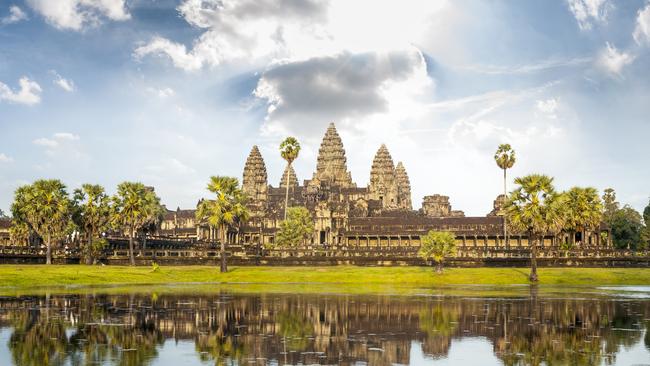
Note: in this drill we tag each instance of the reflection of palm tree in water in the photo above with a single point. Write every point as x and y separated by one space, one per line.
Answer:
439 323
38 342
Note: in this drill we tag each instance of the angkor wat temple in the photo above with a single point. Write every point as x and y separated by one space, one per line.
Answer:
378 215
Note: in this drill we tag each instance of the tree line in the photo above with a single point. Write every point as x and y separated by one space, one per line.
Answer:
45 210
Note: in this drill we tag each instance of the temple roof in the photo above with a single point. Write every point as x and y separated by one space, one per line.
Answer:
383 169
403 186
332 164
255 177
293 180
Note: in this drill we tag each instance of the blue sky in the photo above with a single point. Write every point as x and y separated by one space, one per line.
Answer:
171 92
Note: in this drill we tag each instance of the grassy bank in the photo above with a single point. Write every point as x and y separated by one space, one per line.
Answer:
34 276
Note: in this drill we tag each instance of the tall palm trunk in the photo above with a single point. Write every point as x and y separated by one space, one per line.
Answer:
89 259
131 256
286 196
533 259
505 194
224 266
48 254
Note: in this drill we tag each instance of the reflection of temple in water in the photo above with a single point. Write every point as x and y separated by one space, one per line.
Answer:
307 329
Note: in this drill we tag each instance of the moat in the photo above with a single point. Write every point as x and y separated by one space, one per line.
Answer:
207 326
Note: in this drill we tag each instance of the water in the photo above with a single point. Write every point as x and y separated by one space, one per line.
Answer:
208 326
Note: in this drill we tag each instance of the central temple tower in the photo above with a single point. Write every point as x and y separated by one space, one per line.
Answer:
332 164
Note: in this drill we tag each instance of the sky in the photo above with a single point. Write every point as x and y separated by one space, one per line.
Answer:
171 92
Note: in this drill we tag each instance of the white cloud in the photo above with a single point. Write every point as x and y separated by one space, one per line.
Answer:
612 61
29 93
526 68
65 84
587 12
16 15
43 141
642 29
548 106
268 30
57 140
65 136
78 14
161 92
5 159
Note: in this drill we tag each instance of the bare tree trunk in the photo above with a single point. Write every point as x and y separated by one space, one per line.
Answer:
224 266
439 268
286 196
533 260
48 255
131 257
505 220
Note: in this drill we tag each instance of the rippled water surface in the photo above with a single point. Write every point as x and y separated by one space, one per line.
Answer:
511 326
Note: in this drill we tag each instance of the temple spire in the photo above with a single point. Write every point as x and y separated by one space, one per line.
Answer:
254 182
383 181
293 180
403 187
332 164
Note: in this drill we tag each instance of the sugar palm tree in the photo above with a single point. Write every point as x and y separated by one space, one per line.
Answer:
227 209
535 208
289 150
91 213
583 210
132 209
45 208
505 159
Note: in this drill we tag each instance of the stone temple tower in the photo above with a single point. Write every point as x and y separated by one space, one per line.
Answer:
383 180
293 180
332 164
254 183
403 187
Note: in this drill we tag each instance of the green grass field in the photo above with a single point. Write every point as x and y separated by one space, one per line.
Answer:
22 277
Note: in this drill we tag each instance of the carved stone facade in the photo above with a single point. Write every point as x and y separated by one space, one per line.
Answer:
379 215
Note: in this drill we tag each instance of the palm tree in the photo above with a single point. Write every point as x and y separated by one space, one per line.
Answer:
536 209
45 207
289 150
228 209
505 159
584 211
132 209
92 213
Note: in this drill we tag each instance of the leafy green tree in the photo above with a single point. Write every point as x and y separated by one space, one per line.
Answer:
132 209
535 208
92 214
583 211
296 228
505 159
226 210
44 206
645 234
626 228
19 233
437 245
610 205
289 150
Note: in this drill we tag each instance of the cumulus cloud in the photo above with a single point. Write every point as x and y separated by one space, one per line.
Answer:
588 12
5 159
28 94
63 83
642 29
337 87
612 61
78 14
239 30
16 15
